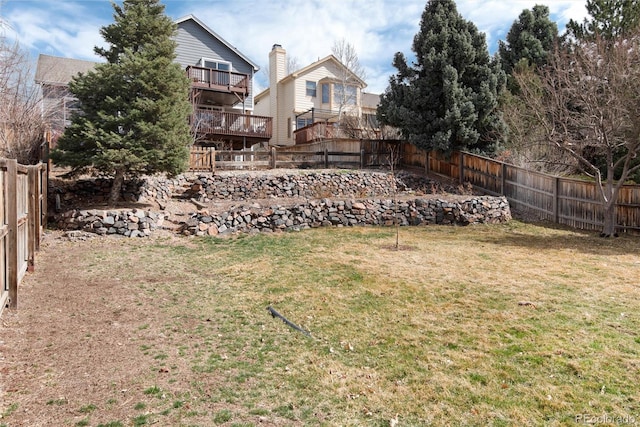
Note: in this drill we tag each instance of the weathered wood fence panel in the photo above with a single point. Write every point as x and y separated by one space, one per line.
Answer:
23 211
567 201
202 159
327 153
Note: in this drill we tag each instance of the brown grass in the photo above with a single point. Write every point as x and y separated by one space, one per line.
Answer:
176 332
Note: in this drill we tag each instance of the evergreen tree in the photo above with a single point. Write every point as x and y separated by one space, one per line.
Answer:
531 38
609 18
447 100
135 106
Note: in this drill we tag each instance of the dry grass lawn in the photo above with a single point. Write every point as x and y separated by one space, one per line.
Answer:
491 325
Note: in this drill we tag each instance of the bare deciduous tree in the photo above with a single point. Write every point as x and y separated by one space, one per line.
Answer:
587 103
346 88
22 122
523 147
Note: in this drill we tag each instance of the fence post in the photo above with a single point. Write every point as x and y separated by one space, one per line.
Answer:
43 181
556 196
426 161
272 160
212 159
326 158
503 178
362 158
11 194
33 215
461 171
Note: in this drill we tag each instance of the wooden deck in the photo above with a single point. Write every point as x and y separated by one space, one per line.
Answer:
221 125
222 81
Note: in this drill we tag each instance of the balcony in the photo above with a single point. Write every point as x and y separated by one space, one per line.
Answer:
212 125
215 87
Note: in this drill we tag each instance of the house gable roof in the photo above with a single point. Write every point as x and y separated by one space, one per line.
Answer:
58 71
309 68
214 34
313 65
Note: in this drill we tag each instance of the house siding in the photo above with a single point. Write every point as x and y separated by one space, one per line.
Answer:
194 42
263 106
304 102
284 115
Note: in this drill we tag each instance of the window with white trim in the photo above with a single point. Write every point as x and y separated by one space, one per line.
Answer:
311 88
213 76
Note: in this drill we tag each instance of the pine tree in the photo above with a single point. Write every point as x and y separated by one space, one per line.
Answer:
531 38
608 19
134 107
447 100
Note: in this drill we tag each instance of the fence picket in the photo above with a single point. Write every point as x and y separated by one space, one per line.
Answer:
22 216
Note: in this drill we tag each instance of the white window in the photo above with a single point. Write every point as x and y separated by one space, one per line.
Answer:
311 88
215 64
70 106
342 97
302 122
217 72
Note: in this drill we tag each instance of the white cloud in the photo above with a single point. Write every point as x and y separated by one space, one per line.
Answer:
307 29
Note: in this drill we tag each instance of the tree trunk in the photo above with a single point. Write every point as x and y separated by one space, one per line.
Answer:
609 228
610 195
116 187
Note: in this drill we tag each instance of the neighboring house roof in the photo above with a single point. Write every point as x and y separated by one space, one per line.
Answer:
216 35
54 70
261 95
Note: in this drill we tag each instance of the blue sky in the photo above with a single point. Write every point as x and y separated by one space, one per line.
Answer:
307 29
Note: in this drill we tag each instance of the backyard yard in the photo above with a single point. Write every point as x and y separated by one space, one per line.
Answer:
512 324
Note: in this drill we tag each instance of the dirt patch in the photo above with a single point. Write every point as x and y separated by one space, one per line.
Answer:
74 344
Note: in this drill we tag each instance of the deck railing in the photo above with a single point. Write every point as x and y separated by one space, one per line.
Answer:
316 132
231 124
227 81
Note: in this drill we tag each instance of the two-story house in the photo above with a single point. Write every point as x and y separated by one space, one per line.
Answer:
221 88
310 104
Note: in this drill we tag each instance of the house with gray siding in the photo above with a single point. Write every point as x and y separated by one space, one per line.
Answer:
221 87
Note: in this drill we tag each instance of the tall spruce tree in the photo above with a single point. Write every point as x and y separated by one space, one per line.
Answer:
608 19
531 38
447 100
134 107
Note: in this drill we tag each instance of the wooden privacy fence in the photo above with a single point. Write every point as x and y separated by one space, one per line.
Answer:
340 153
23 213
322 154
572 202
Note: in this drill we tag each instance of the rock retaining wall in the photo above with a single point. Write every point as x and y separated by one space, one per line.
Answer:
318 185
254 185
334 198
128 223
326 212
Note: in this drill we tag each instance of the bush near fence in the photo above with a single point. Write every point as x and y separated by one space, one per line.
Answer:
23 213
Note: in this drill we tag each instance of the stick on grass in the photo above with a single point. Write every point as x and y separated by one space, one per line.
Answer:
274 313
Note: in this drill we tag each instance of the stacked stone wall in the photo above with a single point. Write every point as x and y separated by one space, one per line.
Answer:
329 198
